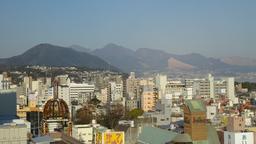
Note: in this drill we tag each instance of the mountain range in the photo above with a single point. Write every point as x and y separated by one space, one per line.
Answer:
51 55
116 57
145 59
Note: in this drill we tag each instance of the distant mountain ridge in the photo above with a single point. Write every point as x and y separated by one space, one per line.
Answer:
51 55
116 57
146 59
240 61
119 56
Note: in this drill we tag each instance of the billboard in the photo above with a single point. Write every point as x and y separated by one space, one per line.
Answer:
113 138
98 138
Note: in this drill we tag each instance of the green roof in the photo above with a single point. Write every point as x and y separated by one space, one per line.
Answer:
152 135
213 137
195 105
182 138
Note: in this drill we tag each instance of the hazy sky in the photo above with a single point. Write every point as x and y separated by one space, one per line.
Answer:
211 27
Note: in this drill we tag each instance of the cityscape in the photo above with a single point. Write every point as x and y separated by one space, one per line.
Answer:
71 105
130 72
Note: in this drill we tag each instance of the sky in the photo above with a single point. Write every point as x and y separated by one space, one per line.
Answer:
215 28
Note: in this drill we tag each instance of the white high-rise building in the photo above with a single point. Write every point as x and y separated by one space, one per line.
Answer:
175 89
63 93
160 82
81 92
132 86
211 88
35 86
188 93
27 81
115 91
211 84
231 88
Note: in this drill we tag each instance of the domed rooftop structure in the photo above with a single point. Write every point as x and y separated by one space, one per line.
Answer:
56 114
56 109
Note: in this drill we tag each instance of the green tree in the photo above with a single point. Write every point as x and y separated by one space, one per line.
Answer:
115 112
85 115
133 114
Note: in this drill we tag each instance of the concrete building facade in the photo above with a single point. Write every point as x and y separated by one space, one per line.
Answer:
148 99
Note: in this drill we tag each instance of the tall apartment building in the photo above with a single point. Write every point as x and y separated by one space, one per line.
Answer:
115 92
132 86
226 87
148 99
212 88
63 92
160 83
27 82
81 92
175 89
200 87
231 88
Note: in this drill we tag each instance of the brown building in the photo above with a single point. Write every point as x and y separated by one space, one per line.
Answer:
195 120
236 124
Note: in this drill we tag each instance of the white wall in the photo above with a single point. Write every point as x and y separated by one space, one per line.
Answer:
13 134
116 91
76 89
238 137
83 133
63 93
35 86
161 81
211 112
231 88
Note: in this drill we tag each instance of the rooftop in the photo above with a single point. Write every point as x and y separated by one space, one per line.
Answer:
195 105
8 91
152 135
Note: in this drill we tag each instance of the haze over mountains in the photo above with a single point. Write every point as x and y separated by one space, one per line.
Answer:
114 57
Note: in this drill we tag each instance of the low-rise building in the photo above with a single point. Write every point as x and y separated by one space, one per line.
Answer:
13 133
238 137
83 133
